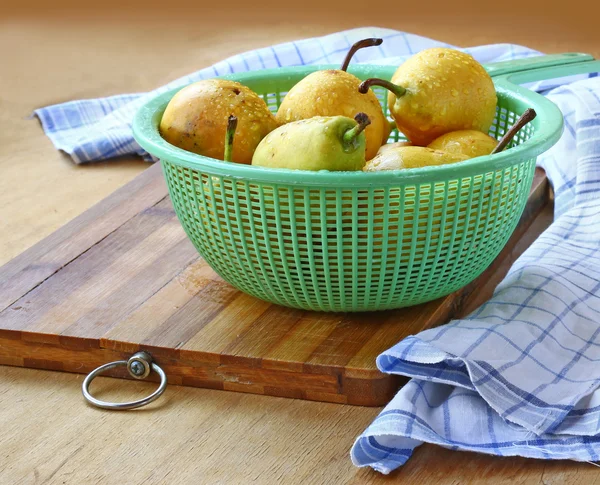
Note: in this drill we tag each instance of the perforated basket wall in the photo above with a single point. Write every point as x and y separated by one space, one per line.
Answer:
353 248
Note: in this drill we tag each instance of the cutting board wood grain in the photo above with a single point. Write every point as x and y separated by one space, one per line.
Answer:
123 277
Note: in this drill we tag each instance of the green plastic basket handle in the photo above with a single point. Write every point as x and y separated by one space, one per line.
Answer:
509 75
541 68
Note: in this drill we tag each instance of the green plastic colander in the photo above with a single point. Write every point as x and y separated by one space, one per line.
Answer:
353 241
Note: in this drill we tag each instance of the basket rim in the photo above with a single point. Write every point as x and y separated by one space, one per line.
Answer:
548 129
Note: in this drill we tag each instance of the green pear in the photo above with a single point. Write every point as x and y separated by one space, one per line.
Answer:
334 143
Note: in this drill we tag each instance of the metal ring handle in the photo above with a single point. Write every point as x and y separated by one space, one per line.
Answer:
139 366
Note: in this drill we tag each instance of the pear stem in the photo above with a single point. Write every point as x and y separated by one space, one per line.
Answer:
356 46
229 134
362 121
525 118
394 88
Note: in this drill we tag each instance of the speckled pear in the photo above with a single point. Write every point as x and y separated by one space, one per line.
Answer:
437 91
196 119
334 143
334 92
471 143
403 157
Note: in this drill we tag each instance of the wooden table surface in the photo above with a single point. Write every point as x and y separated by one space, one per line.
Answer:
65 50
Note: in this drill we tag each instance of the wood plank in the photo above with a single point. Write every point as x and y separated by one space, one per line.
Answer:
224 329
95 281
145 319
43 260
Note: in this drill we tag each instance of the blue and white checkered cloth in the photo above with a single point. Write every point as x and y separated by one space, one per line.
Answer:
518 376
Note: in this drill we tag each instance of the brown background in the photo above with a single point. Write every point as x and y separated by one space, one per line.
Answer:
58 51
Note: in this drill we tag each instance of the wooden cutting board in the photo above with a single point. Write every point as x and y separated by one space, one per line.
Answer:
123 277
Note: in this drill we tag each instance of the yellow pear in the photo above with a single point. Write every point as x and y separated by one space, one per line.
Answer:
437 91
403 157
471 143
334 92
393 146
196 119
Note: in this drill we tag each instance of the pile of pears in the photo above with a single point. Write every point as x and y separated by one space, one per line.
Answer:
442 100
